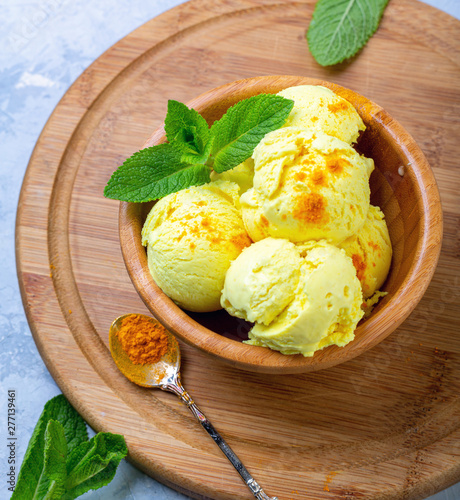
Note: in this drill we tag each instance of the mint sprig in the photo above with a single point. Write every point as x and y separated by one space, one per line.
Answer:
60 463
340 28
194 148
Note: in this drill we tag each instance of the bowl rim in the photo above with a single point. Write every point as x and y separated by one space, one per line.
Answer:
367 335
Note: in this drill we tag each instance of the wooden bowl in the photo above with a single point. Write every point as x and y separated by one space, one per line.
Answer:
402 185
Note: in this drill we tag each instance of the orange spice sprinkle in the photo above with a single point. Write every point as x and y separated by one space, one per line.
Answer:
360 266
180 236
319 178
336 165
264 221
329 479
241 241
334 107
214 238
310 208
300 176
374 246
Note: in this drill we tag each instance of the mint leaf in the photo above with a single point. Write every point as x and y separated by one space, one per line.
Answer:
192 158
31 476
188 131
340 28
55 459
243 126
152 173
93 464
60 463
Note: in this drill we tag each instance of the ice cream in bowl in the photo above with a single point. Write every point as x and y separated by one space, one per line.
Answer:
305 255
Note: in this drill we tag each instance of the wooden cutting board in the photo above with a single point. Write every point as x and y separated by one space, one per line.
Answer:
383 426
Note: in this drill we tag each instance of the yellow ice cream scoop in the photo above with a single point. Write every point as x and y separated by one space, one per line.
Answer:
191 237
371 252
262 280
307 185
319 108
242 175
324 311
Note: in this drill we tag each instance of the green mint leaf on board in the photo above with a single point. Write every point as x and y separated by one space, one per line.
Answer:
243 126
188 131
55 462
340 28
30 475
93 464
60 463
152 173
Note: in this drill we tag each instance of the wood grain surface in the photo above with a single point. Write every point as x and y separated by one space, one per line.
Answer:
385 425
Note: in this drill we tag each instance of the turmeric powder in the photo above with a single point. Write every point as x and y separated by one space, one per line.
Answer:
144 341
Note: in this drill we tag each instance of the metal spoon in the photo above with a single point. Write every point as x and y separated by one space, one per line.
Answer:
164 375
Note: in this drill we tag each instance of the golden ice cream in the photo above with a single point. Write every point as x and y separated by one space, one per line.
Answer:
371 252
322 303
304 199
191 238
307 185
263 281
318 108
242 175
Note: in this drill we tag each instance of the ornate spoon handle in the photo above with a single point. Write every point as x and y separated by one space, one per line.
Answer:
177 388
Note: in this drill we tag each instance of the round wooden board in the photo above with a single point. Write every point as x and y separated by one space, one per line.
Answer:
385 425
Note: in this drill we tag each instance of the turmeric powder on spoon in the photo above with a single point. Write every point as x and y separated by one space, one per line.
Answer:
143 341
